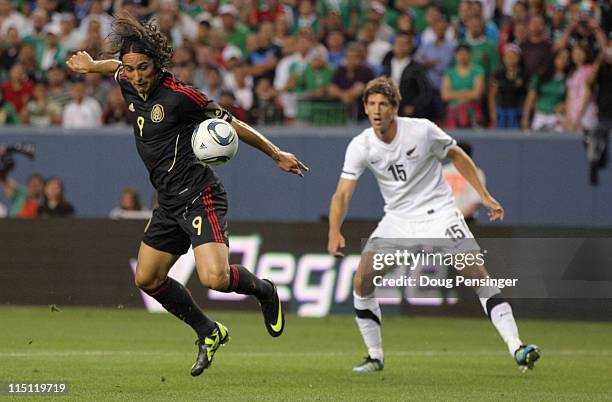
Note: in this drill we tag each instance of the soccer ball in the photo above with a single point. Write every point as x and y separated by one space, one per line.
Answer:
214 141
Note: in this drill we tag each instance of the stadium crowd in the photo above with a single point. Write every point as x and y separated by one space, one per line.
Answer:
541 64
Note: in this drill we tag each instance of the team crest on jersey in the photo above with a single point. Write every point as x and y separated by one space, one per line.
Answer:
157 113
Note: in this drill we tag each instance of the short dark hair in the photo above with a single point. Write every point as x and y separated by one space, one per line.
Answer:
384 86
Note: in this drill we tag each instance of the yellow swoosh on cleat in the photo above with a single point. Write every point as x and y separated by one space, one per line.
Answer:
279 320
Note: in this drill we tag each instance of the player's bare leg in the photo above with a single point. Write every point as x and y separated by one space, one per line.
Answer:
216 273
499 312
152 277
368 314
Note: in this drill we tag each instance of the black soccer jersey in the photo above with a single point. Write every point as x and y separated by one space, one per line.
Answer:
163 125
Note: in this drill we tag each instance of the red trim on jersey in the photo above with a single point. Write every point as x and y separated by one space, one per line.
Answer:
211 215
194 95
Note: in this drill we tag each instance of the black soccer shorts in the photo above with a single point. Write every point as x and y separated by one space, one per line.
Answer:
201 221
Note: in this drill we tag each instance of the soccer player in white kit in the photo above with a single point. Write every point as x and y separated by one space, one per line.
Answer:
405 155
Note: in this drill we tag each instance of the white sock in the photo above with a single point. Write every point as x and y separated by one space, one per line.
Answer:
368 320
502 318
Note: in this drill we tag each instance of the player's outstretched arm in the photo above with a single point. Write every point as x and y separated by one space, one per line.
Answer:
337 211
284 160
465 165
83 63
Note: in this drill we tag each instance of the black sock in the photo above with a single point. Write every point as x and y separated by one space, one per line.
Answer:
176 298
242 281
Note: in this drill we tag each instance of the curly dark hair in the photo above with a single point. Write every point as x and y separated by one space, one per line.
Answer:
130 36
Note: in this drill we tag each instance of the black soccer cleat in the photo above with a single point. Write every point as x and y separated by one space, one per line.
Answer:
207 348
272 310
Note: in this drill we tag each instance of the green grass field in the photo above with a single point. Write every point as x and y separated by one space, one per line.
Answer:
132 355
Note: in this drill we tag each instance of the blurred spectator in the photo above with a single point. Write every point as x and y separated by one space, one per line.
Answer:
236 78
92 43
405 23
9 51
350 80
228 102
558 23
520 33
8 114
376 49
416 90
314 80
376 15
116 113
98 87
52 51
183 67
3 211
27 59
463 88
537 49
55 204
437 55
597 141
236 32
267 109
294 50
518 15
546 95
130 206
584 29
96 13
306 18
80 8
83 111
507 91
9 18
204 28
264 58
484 52
70 37
218 43
183 27
335 41
214 82
580 108
536 7
58 88
434 14
24 200
266 11
36 32
19 89
473 8
41 110
466 197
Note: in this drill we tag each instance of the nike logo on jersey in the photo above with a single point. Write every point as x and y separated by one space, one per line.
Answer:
410 152
131 108
375 162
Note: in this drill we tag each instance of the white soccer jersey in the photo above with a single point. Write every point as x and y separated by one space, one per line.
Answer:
408 170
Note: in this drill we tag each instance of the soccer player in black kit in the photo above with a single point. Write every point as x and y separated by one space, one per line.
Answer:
192 202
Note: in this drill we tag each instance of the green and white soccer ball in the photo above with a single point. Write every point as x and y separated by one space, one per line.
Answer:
214 142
